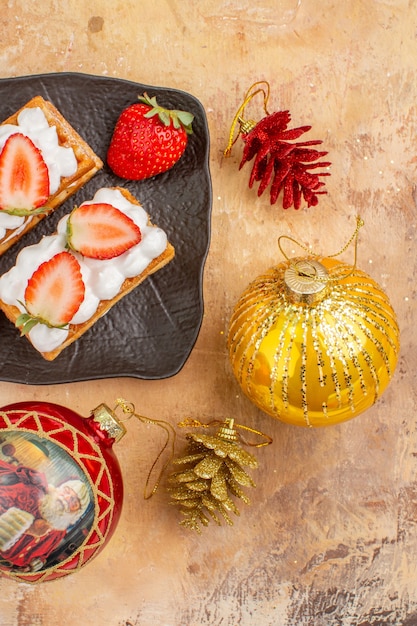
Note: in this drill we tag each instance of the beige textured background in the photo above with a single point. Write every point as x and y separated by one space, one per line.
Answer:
330 537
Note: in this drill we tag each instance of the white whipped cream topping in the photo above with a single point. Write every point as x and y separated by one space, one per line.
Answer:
60 160
102 278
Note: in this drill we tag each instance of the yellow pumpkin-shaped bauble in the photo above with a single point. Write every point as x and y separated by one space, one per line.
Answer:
313 341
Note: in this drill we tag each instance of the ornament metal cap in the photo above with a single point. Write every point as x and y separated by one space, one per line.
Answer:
227 431
306 281
108 422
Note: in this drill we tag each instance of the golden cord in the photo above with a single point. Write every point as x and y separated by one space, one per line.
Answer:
129 409
354 237
247 125
190 422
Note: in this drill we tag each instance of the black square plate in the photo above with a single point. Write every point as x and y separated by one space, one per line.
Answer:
150 333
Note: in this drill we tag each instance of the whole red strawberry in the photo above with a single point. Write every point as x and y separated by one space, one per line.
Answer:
148 139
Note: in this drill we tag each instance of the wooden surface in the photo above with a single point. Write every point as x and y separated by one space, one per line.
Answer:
330 537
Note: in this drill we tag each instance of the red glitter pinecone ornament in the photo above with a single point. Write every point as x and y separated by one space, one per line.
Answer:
279 161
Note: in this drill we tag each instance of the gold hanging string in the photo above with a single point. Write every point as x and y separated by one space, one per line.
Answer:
354 238
249 124
129 409
261 444
190 422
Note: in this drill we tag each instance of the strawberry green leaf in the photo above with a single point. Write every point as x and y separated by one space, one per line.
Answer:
26 212
180 119
26 322
164 117
185 118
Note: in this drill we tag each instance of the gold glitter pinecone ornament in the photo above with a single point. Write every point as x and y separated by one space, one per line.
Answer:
313 341
213 473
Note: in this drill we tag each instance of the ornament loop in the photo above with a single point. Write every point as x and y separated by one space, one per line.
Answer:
229 424
313 275
247 126
261 444
129 409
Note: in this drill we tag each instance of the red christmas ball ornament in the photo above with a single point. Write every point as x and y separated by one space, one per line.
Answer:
279 162
61 488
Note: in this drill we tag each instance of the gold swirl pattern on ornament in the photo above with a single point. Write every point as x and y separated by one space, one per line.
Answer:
354 317
85 551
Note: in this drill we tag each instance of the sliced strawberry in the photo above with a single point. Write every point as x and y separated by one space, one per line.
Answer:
100 231
24 178
53 294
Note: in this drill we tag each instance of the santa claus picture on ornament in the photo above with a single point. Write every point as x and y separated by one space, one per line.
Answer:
46 503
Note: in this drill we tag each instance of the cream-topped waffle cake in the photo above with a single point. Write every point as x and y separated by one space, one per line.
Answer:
43 161
59 287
